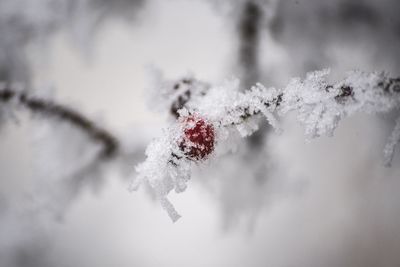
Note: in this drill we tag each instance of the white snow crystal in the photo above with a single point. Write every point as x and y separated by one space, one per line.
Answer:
165 169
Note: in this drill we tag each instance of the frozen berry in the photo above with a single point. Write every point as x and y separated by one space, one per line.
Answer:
198 137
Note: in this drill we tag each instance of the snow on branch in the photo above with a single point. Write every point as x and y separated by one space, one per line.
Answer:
208 119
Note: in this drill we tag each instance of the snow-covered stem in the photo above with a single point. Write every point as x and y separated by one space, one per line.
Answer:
53 110
341 92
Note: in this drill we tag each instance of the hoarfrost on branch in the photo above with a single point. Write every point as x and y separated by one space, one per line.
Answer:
319 105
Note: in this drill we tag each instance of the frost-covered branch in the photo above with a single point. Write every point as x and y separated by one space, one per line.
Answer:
214 114
348 95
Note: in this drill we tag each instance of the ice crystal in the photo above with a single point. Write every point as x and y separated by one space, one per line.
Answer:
165 169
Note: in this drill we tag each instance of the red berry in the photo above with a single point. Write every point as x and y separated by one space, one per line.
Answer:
198 137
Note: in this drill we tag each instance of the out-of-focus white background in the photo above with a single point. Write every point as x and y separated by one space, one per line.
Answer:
329 202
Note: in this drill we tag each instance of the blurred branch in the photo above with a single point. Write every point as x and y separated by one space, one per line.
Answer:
249 35
48 108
